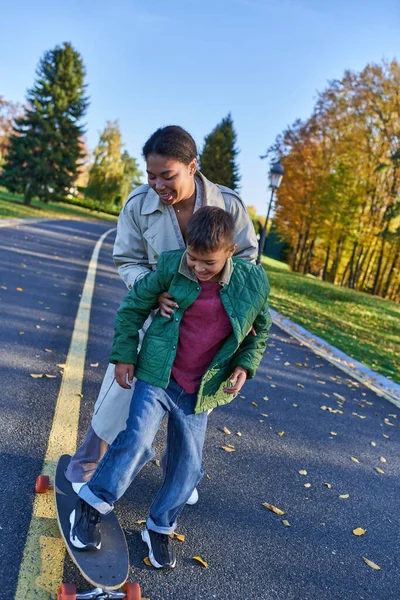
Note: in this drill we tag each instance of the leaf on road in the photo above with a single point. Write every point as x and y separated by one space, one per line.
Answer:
321 382
379 470
265 398
147 561
19 289
264 415
274 509
94 364
328 485
200 561
383 459
226 430
326 395
387 422
157 462
299 364
355 460
140 522
285 523
307 485
295 405
359 531
281 433
178 536
286 364
21 332
333 433
300 385
61 366
385 436
344 496
238 434
339 396
254 404
47 350
36 375
228 448
50 376
371 564
303 472
373 444
359 416
37 326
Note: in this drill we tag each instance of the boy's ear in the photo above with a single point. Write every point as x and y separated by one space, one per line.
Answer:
232 250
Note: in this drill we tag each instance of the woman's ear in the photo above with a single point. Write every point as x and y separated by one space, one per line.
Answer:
193 166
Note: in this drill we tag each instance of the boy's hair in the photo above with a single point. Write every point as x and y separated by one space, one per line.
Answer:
210 229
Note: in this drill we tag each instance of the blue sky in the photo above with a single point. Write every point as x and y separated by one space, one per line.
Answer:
156 62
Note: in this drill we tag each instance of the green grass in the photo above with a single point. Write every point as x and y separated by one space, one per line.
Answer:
364 326
12 206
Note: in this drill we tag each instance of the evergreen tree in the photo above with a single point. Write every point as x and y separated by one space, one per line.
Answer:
44 149
218 158
114 173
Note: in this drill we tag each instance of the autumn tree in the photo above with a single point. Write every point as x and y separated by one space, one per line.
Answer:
218 159
114 172
44 150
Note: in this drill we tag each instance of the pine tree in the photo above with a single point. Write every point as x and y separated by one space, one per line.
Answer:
44 151
218 158
114 173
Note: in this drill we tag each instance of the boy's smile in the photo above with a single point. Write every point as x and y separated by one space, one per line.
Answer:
208 265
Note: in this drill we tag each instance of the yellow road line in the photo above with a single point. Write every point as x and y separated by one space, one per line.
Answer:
42 563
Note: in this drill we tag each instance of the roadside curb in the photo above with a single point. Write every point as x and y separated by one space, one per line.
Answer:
374 381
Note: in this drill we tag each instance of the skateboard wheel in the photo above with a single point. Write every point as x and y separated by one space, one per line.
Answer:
66 591
42 484
132 591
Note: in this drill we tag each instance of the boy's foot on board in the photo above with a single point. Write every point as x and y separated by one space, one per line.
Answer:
161 549
85 531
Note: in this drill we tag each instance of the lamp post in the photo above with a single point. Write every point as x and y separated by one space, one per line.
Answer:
275 177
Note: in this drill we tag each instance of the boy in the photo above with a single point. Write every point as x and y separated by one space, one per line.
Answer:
188 364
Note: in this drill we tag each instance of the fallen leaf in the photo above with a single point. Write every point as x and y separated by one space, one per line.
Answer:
393 416
307 485
286 364
303 472
50 376
254 404
326 395
178 536
36 375
385 436
238 434
19 289
94 364
264 415
328 485
359 416
21 332
321 382
265 398
339 396
383 459
226 430
359 531
300 385
201 561
355 460
274 509
298 364
37 326
344 496
285 523
379 470
147 561
387 422
371 564
333 433
373 444
157 462
140 522
295 405
228 448
281 433
47 350
61 366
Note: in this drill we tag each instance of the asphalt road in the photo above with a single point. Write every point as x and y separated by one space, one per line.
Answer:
250 553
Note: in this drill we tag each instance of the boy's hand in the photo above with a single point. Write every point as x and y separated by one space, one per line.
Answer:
124 375
238 379
167 304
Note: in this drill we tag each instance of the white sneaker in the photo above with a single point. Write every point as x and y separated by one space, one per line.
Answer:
193 497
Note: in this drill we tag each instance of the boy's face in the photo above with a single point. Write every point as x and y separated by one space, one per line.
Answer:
208 265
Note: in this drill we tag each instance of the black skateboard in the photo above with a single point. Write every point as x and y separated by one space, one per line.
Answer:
107 569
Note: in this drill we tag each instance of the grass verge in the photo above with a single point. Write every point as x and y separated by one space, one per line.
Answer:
367 328
12 206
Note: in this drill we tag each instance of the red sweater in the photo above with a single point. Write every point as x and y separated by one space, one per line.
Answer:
202 331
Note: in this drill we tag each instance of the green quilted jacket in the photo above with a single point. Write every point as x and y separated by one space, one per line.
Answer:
244 299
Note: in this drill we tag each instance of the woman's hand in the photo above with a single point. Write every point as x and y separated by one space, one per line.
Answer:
167 304
238 379
124 375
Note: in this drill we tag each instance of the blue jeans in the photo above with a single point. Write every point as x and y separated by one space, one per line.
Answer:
132 449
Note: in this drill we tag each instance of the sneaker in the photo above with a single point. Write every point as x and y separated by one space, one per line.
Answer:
194 496
85 531
161 550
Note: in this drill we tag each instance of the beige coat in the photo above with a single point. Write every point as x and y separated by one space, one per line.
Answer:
144 231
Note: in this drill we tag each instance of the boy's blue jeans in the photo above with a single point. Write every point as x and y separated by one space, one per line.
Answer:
132 449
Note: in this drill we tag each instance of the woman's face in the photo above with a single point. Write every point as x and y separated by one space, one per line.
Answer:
171 179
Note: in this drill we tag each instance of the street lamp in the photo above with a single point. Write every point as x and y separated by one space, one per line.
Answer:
275 177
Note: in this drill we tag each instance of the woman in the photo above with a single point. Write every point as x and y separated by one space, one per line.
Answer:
153 220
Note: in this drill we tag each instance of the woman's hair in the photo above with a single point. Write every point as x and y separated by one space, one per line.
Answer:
210 229
171 141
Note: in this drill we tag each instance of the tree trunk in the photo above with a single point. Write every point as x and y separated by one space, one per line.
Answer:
390 274
306 268
378 268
